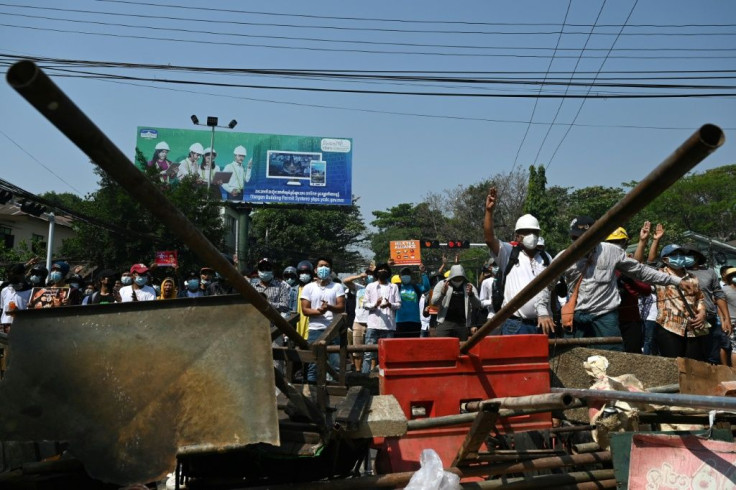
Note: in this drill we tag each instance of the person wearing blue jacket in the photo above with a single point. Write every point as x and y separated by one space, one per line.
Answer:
408 323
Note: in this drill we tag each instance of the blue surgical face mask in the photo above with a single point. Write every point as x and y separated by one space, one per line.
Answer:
141 280
689 261
305 278
89 292
291 281
126 280
35 279
55 276
193 284
74 285
323 272
405 279
369 279
494 270
677 261
733 280
265 276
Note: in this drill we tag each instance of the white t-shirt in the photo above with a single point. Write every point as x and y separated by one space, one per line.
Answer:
146 293
237 179
10 294
422 318
315 293
361 314
486 289
519 277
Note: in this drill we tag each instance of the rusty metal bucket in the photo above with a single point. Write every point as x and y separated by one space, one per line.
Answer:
127 385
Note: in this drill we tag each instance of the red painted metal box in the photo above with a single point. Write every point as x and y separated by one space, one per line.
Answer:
430 378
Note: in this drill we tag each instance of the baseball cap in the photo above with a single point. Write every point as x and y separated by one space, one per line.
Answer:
139 268
580 225
729 272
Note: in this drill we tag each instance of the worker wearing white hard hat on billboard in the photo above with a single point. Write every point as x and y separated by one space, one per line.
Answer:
160 160
240 174
190 165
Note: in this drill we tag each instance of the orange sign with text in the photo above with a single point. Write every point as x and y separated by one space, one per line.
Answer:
406 252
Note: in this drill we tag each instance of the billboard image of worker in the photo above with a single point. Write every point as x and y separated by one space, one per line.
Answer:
252 167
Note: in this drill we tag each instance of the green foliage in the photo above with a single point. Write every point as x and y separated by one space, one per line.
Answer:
289 236
141 234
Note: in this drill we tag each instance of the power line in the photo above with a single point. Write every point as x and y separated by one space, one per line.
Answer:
374 19
345 50
398 92
304 26
40 163
541 87
567 131
393 113
577 63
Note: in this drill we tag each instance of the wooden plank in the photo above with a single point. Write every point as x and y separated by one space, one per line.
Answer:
350 411
479 431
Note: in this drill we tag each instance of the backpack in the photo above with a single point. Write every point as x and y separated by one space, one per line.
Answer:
499 284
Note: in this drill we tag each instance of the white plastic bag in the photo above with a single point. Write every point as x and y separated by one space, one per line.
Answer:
431 476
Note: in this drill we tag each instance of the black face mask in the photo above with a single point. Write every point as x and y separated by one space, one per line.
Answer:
382 275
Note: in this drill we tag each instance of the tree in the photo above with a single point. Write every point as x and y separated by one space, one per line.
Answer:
289 236
538 203
134 234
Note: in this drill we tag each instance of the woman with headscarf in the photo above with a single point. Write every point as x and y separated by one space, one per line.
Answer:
168 289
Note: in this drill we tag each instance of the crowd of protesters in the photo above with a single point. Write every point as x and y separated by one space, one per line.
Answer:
669 303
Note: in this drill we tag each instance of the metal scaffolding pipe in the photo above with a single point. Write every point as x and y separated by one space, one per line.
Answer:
698 146
554 341
466 418
551 401
43 94
674 400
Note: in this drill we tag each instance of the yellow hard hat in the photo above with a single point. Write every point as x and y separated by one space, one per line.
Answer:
396 279
618 234
447 273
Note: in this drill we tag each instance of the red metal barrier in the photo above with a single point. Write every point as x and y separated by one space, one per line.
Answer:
430 378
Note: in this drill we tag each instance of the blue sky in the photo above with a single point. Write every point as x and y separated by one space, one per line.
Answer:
404 145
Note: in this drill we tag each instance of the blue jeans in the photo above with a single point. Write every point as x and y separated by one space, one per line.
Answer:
372 335
333 359
512 326
650 343
588 325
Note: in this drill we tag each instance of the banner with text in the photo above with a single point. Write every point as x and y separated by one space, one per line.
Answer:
406 252
251 167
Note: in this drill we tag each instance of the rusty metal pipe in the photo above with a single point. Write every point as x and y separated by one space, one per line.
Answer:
466 418
43 94
555 341
552 401
544 481
698 146
674 400
394 480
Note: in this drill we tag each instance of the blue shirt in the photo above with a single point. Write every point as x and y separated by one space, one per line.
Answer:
410 294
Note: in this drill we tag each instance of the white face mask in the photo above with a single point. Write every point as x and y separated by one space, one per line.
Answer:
530 241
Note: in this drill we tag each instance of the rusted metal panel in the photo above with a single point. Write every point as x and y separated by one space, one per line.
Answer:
129 384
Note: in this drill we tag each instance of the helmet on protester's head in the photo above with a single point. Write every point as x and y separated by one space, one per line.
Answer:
670 249
305 265
527 222
291 270
240 150
618 234
196 148
209 150
162 146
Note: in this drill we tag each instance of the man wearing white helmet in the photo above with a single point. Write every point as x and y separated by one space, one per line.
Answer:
190 165
518 264
239 174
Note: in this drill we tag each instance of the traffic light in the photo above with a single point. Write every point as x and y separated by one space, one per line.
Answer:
458 243
426 243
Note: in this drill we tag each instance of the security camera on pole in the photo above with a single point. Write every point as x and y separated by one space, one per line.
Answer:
212 122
